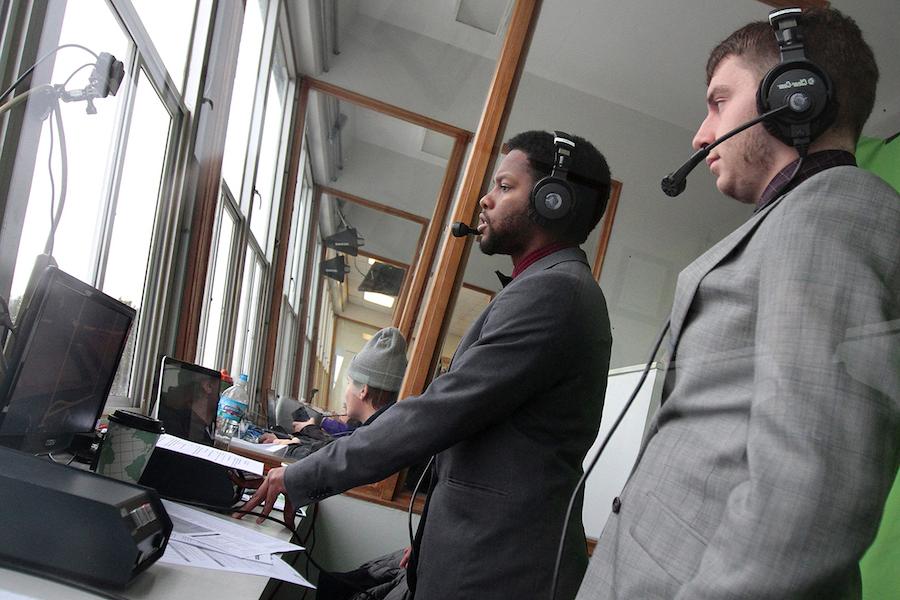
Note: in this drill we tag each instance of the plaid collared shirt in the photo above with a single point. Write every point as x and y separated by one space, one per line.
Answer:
812 164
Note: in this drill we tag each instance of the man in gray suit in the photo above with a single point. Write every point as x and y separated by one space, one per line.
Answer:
765 471
513 418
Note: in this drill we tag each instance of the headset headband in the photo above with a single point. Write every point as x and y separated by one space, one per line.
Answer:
564 145
787 31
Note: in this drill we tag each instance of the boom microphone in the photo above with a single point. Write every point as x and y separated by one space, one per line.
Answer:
460 229
675 182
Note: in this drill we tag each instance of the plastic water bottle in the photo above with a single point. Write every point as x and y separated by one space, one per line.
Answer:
232 405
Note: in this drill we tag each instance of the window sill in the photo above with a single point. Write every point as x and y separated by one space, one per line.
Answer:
372 493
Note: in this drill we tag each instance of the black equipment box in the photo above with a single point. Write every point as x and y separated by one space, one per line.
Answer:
76 524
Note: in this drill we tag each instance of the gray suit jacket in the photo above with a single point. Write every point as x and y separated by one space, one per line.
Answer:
511 421
765 472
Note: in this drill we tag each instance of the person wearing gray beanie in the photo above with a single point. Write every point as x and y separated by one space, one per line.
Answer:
375 375
381 363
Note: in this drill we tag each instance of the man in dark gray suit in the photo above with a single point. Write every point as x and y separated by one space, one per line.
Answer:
764 473
513 418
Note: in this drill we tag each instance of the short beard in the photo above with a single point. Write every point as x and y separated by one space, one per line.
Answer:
512 235
756 156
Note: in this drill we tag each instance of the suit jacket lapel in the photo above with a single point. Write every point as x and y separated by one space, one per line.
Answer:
566 254
689 279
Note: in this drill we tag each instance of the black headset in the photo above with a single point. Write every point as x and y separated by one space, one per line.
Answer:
553 197
797 82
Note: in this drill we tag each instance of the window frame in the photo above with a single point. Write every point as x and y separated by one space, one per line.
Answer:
261 250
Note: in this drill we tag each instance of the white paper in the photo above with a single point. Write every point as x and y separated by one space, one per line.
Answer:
220 457
221 534
178 553
270 448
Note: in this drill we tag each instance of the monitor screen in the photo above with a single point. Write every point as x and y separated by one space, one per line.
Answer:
61 362
187 398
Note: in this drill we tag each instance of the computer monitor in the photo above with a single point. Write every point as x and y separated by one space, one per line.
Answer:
187 398
61 363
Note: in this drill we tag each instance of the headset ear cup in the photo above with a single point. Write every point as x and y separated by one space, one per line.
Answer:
552 198
803 79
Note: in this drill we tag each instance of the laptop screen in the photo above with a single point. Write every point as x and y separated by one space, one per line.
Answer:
188 396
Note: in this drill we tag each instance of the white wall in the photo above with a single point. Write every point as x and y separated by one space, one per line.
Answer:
350 532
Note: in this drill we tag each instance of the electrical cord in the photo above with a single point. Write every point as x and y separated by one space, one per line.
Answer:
28 71
64 177
59 462
227 510
50 173
412 501
24 95
75 72
802 150
6 327
587 472
356 266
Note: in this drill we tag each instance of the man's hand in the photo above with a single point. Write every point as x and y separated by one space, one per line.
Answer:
266 494
404 561
296 426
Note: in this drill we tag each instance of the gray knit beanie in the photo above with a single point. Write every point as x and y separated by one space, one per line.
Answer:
381 363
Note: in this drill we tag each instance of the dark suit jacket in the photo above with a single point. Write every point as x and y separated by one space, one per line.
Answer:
511 422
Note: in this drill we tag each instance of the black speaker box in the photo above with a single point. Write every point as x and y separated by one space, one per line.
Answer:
182 477
74 524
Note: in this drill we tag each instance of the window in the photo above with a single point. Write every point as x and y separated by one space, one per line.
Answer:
169 26
289 328
131 216
118 220
223 261
238 136
239 282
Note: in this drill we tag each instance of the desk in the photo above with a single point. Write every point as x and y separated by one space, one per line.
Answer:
247 450
159 582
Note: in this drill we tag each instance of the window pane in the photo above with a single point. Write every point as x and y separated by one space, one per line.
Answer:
132 224
317 284
169 24
242 97
216 301
246 332
302 230
267 167
286 350
89 140
252 329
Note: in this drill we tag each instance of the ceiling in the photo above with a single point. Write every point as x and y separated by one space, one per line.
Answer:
644 54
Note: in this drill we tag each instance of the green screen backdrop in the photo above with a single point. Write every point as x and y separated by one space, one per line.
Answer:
881 564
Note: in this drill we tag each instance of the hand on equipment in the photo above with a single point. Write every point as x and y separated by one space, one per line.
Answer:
266 494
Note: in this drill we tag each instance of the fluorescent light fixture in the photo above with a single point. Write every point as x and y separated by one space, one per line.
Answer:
371 261
379 299
367 336
338 362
